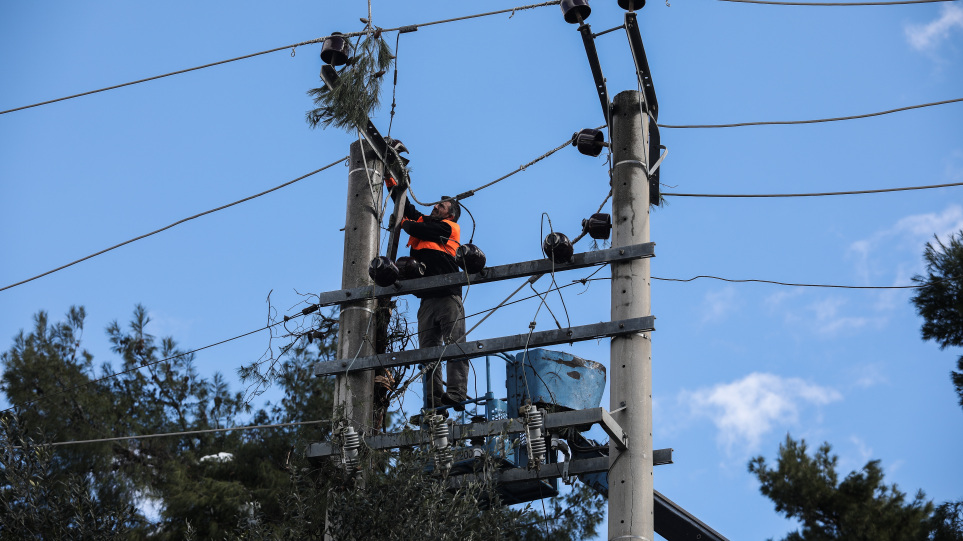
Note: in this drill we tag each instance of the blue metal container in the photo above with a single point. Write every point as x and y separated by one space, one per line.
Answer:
554 380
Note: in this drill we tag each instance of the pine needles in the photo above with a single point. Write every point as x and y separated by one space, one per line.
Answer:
358 90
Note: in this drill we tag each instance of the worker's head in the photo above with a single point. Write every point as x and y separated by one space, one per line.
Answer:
446 209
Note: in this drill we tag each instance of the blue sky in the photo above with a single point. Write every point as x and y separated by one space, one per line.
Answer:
735 366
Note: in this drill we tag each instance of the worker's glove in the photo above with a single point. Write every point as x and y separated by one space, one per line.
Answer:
406 225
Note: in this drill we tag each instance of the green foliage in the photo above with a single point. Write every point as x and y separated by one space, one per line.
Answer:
860 507
253 484
939 299
358 92
37 503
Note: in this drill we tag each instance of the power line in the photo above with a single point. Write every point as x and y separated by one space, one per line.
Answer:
288 183
777 283
187 433
409 28
814 121
822 194
134 369
893 3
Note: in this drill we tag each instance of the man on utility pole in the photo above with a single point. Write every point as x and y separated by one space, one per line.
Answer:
434 239
630 471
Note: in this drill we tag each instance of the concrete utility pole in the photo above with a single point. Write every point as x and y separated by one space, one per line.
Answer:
630 471
357 325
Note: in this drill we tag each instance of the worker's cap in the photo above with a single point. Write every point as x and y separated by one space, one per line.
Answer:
455 207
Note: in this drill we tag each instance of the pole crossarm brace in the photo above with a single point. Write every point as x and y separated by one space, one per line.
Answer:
552 422
475 348
641 65
550 471
489 274
675 523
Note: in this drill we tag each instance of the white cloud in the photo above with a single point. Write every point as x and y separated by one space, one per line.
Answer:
719 304
745 410
927 37
891 248
827 319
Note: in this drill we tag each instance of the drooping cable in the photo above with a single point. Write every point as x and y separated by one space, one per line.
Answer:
734 280
820 194
293 46
172 434
136 368
206 212
893 3
813 121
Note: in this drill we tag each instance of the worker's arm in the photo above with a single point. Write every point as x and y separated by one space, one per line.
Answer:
430 230
412 213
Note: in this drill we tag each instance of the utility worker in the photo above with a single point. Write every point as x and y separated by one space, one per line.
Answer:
441 316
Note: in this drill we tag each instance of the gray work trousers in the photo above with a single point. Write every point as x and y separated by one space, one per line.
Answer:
441 320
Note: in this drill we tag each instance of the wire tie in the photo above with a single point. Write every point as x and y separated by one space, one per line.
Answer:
292 52
513 13
531 325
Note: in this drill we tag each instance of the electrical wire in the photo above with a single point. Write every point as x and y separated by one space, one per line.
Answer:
776 283
469 193
136 368
821 194
293 46
893 3
62 267
813 121
170 434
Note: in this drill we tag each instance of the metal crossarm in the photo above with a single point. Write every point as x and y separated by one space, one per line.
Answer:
491 274
552 421
549 471
467 350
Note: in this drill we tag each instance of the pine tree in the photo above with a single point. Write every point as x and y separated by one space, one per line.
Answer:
939 299
859 508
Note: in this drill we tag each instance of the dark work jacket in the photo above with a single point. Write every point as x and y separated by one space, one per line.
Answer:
436 261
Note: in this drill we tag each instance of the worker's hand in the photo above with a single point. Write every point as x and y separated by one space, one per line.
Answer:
405 225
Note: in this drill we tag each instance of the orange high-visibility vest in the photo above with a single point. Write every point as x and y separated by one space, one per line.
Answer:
449 247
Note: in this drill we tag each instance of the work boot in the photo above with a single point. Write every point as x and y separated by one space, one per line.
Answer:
447 400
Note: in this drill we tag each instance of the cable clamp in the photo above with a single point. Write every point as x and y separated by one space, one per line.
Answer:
366 169
362 308
631 162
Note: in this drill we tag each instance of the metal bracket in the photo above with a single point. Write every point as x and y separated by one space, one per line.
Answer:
468 350
614 431
553 422
593 57
489 274
641 64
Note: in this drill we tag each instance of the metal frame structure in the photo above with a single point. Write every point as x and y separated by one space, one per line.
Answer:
475 348
488 274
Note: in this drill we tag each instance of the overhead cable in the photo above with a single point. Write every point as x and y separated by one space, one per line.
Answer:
171 434
893 3
822 194
469 193
293 46
136 368
782 283
288 183
814 121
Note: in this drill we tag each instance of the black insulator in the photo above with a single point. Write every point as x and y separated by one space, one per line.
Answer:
589 141
599 226
335 50
410 268
383 271
576 11
558 247
310 309
631 5
470 258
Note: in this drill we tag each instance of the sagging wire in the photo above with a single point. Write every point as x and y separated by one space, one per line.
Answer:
394 86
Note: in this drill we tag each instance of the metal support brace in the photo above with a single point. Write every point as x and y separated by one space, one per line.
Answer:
468 350
553 422
489 274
